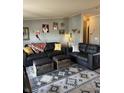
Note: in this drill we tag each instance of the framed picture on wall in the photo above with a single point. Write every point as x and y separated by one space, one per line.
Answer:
26 33
45 28
55 26
61 31
62 25
74 30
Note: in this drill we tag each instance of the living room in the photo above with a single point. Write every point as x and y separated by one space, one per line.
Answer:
61 44
73 46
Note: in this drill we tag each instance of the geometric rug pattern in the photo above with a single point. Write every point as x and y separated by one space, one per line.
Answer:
73 79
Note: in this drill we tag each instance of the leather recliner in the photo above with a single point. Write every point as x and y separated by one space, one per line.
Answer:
88 55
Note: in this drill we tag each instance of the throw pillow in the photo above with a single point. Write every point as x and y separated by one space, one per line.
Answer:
57 47
28 50
34 48
75 48
38 47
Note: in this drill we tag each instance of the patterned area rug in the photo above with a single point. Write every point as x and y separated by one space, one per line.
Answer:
74 79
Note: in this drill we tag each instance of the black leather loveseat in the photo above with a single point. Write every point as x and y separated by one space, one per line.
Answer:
49 52
88 55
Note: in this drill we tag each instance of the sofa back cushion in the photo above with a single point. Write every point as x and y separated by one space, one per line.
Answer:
91 48
82 47
50 46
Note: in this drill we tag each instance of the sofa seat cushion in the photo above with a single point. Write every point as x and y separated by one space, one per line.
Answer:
83 54
83 57
53 53
42 61
79 55
60 57
36 56
74 53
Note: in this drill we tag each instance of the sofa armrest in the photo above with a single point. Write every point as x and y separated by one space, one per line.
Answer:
93 55
24 58
96 54
94 60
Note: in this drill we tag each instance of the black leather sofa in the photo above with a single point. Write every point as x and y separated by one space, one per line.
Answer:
88 55
49 52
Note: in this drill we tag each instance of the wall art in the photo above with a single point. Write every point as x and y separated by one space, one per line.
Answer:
45 28
62 24
78 31
62 31
74 30
55 26
37 33
25 33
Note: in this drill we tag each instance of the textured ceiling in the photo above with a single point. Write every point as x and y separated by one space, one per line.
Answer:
40 9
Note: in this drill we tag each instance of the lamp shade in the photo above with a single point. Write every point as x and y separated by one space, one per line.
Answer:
67 37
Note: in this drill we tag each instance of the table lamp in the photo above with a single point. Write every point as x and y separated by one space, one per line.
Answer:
68 38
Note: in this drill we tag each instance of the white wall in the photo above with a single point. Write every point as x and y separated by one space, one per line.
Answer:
36 25
75 22
53 36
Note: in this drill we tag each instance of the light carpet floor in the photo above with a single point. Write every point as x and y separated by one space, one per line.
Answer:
73 79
